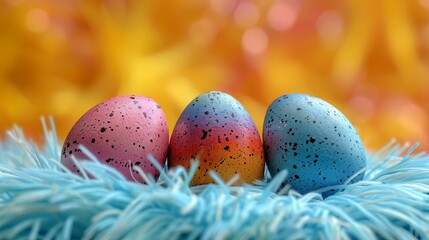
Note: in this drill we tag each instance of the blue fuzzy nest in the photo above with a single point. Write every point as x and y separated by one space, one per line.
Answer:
40 199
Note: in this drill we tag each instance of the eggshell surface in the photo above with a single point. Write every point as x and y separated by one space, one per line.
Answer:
314 141
120 132
217 130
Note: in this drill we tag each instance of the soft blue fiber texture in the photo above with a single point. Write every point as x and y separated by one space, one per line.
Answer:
40 199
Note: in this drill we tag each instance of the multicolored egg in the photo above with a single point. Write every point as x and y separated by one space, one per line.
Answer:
120 132
314 141
218 131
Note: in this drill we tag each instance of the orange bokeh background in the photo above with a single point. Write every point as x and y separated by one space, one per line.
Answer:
368 58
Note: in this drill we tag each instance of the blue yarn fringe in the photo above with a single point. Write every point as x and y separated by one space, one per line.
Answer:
41 199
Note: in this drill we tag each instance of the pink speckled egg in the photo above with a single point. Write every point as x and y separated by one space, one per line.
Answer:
120 132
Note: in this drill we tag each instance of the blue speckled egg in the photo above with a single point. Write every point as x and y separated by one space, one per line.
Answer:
314 141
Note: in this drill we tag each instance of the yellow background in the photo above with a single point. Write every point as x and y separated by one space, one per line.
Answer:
368 58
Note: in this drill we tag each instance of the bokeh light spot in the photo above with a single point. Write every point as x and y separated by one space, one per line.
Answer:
222 7
255 41
282 15
330 25
13 2
424 3
425 36
364 105
246 14
202 32
37 20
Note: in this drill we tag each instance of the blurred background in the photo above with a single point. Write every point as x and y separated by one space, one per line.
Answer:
368 58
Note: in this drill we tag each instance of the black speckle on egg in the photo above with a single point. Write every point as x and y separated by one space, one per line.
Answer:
204 134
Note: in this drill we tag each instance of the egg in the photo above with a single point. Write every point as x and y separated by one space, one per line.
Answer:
218 131
313 141
120 132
